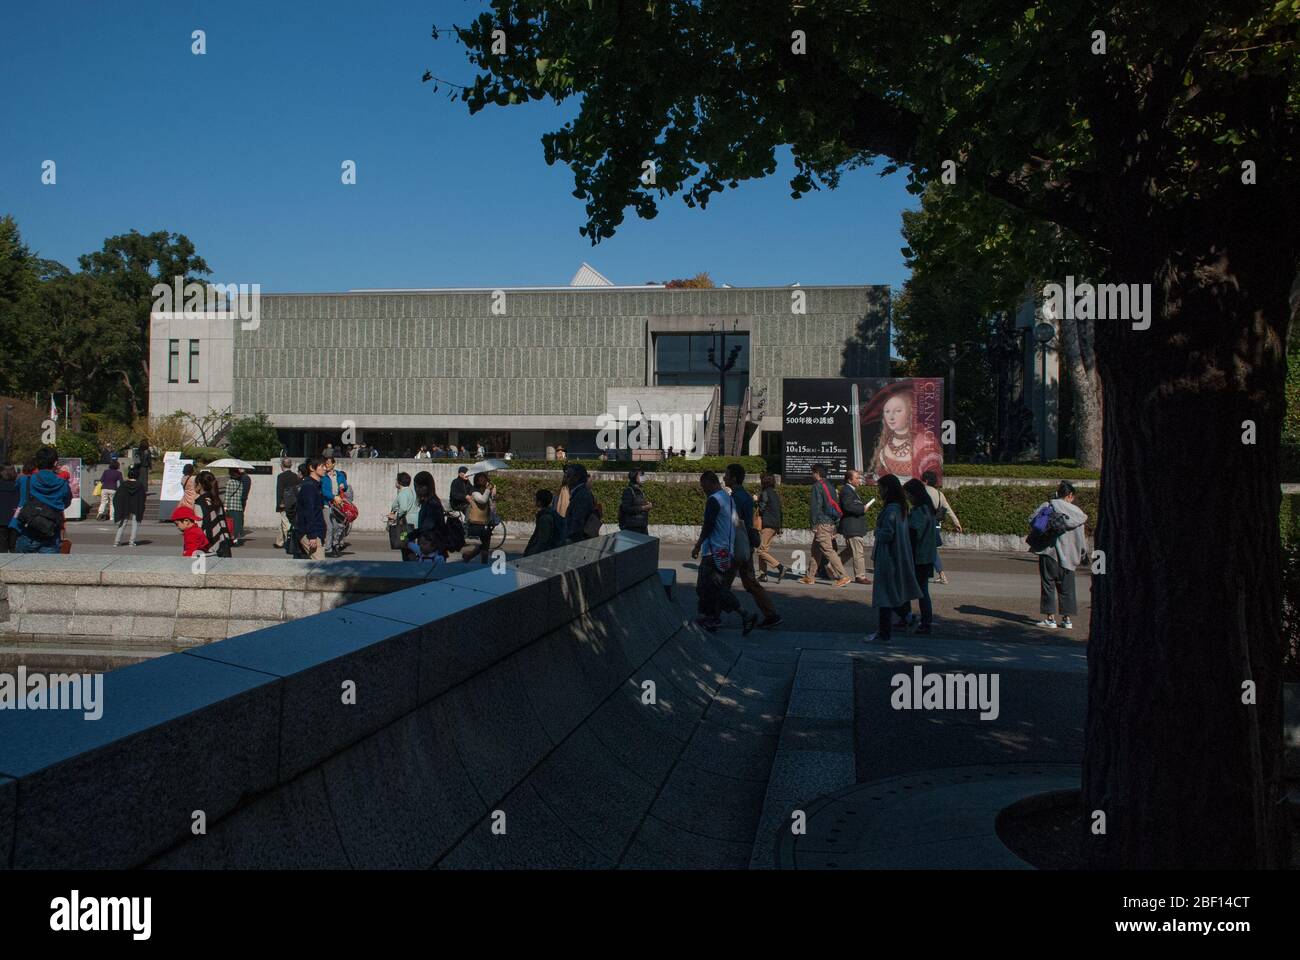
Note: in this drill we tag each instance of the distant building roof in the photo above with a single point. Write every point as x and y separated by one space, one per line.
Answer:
589 276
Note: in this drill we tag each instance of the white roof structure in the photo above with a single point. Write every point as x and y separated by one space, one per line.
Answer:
589 276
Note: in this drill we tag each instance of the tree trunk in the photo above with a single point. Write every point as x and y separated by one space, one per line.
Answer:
1188 612
1078 344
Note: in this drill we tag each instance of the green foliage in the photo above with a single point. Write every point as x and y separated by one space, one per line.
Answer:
753 465
254 438
1291 419
204 455
71 444
1025 471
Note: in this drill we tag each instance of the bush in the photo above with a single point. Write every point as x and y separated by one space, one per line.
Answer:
1025 471
1291 611
71 444
254 438
202 456
753 465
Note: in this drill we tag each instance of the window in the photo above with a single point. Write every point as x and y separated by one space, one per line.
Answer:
682 359
173 361
194 361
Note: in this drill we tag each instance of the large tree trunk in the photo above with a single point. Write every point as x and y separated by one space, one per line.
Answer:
1187 614
1079 347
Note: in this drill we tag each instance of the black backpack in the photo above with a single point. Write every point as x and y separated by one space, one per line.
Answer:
39 521
453 534
291 502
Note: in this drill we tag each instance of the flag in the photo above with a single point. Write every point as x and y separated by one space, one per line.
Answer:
54 409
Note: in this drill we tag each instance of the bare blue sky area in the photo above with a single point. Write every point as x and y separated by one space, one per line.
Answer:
241 150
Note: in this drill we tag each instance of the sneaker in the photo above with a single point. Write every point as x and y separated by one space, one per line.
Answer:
912 620
747 623
773 621
1067 623
1049 624
807 580
941 578
843 581
134 544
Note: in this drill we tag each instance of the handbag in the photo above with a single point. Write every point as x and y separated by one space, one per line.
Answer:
398 534
99 489
591 528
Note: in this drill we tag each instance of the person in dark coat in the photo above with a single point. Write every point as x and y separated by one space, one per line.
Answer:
8 504
634 508
548 526
854 525
895 585
582 504
923 534
309 513
128 504
287 478
769 512
431 522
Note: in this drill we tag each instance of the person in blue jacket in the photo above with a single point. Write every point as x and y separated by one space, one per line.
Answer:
51 491
309 513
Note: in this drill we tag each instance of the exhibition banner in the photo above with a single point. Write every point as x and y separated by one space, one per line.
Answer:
873 424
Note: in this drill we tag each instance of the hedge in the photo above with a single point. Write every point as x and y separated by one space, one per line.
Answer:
1024 471
753 465
203 455
70 444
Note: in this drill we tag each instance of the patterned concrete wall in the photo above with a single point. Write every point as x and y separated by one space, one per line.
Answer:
553 353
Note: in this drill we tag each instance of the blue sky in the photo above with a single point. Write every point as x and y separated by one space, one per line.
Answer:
241 148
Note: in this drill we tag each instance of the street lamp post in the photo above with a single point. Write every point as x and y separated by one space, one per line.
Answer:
722 368
1043 333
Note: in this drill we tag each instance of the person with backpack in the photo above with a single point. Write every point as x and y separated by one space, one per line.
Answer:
432 523
336 491
942 511
715 548
1056 535
290 499
128 504
768 511
284 480
548 526
634 508
922 534
894 587
42 497
403 515
825 514
482 518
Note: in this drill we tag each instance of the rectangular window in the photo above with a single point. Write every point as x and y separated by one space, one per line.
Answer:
194 361
173 361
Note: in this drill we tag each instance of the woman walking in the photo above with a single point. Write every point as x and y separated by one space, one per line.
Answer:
769 515
923 532
942 511
894 587
128 504
212 515
1058 557
482 518
403 514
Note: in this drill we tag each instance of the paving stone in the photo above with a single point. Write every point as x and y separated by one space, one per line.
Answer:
733 753
664 846
535 838
710 805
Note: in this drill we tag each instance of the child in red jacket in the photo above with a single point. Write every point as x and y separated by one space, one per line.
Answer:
187 522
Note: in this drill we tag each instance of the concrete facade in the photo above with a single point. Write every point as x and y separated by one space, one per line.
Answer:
536 359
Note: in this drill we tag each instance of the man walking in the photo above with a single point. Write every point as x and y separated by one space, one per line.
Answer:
825 514
744 503
309 513
287 478
715 549
460 488
854 525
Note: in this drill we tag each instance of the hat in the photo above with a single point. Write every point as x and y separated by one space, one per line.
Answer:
183 513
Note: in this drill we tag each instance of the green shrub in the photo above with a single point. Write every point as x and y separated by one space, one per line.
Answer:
1291 610
78 445
1289 462
753 465
254 438
1025 471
